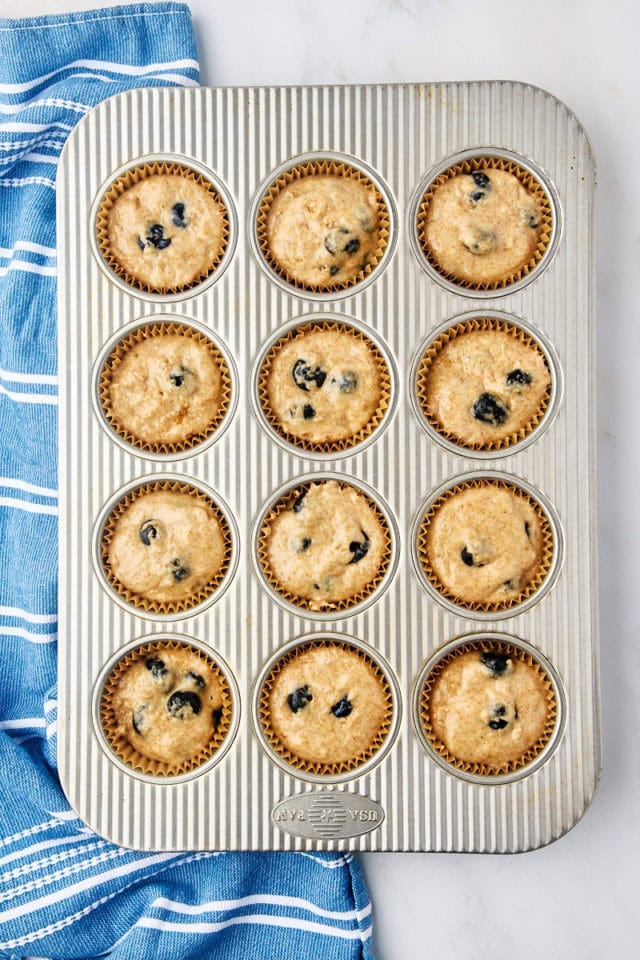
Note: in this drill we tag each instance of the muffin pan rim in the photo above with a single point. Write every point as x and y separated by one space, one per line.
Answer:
555 400
394 726
321 317
234 692
195 288
549 748
348 160
176 319
451 160
117 497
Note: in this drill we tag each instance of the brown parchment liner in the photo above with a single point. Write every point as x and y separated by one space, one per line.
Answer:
136 599
121 746
327 168
114 361
319 768
486 606
329 446
487 769
533 187
128 180
330 605
436 346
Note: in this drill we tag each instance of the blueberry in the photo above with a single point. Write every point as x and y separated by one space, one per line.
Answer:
478 195
316 586
157 238
148 532
488 409
481 180
299 699
216 717
352 246
533 220
466 557
342 708
177 215
308 412
298 503
180 569
334 269
333 239
197 679
303 375
359 549
140 243
177 376
481 242
519 376
138 720
157 667
348 382
306 543
498 724
495 662
182 704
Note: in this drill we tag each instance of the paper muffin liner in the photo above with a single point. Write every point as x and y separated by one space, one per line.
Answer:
320 768
163 607
486 606
310 168
483 769
125 751
533 187
436 346
330 606
113 362
329 446
125 182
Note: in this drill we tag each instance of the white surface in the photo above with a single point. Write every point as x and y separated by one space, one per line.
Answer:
576 898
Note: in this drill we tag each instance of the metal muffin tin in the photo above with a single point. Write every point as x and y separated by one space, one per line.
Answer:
402 135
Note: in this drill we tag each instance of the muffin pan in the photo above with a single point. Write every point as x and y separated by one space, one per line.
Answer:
404 795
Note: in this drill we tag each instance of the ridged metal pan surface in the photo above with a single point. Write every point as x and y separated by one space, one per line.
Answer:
406 800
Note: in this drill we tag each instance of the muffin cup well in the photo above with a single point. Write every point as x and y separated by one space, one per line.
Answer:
110 362
548 561
118 744
123 181
439 340
286 499
155 609
322 771
321 166
342 444
479 162
481 771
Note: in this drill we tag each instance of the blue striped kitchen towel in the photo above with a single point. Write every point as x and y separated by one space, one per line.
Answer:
65 892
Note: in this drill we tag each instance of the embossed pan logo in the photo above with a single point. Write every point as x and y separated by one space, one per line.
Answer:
328 815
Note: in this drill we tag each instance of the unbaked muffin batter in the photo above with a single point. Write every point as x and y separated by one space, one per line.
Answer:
324 385
483 226
485 543
486 707
328 545
322 229
165 389
485 385
168 704
329 705
166 231
166 546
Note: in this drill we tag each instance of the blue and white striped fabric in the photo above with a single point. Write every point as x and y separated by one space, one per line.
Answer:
65 892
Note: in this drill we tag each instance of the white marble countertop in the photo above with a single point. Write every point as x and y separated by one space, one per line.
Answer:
576 898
